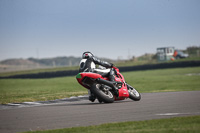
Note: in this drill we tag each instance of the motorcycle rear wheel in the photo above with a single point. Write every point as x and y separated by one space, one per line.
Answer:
133 93
105 96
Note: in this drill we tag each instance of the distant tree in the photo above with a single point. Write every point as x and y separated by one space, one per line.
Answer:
193 51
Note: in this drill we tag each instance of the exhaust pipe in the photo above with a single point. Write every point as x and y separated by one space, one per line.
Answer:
106 82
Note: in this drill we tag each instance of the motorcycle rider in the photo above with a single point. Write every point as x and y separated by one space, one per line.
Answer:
88 64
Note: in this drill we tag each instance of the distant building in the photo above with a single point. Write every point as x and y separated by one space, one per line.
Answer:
165 53
170 53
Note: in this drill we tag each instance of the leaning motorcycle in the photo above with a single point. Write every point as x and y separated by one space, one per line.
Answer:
103 89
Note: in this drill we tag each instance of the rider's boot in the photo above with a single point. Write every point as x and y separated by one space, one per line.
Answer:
91 96
112 78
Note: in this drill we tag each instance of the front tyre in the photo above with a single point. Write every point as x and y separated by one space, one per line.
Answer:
102 94
133 93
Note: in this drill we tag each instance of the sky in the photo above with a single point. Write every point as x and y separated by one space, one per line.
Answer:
115 29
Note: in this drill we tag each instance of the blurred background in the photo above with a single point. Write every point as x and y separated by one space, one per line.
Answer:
55 33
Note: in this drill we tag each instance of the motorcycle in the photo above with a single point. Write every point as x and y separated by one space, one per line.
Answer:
104 90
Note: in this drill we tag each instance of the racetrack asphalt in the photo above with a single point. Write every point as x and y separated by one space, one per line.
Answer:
85 113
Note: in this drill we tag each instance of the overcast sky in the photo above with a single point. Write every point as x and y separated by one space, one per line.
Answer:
108 28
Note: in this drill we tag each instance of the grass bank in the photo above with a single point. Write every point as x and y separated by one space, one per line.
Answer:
21 90
173 125
161 80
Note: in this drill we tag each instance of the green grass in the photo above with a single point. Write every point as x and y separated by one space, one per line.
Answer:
20 90
172 125
161 80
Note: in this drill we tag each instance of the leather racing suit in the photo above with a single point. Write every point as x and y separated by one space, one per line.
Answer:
89 65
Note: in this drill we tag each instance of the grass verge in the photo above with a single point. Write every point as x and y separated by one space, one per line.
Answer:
189 124
21 90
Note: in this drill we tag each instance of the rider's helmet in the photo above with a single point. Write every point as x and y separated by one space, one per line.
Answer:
87 55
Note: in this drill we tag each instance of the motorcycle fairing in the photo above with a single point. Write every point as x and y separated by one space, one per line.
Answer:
123 92
86 76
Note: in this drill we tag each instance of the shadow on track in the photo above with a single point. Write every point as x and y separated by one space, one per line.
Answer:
88 103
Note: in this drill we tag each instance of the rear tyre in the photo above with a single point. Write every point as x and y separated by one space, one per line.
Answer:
133 93
102 94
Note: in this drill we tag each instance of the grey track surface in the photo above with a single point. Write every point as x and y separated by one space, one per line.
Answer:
84 113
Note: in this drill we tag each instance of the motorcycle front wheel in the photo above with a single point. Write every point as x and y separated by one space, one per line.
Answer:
102 93
133 93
